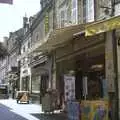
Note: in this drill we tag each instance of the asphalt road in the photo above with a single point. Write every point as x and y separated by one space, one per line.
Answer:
7 114
50 117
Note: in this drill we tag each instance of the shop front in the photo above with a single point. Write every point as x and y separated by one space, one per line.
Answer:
83 62
25 79
40 77
82 67
91 90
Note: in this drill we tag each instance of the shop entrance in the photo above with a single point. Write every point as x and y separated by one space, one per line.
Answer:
94 73
25 83
78 85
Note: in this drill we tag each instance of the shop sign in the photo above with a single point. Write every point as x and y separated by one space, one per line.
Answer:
73 110
46 23
102 26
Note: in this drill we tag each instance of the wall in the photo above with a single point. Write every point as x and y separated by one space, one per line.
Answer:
38 33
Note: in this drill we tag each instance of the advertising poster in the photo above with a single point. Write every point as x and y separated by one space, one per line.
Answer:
94 110
105 88
73 110
69 87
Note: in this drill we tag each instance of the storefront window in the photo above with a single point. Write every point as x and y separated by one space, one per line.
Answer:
95 85
90 83
36 84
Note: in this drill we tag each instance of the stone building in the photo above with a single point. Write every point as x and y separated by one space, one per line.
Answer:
25 71
41 64
4 65
14 46
74 51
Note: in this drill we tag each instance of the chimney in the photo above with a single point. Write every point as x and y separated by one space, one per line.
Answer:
25 20
31 20
5 42
10 34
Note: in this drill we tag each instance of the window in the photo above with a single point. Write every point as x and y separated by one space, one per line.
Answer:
88 10
24 49
28 44
69 13
36 83
74 11
84 10
62 18
117 9
117 1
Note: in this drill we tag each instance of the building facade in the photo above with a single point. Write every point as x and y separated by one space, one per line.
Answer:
25 71
74 51
41 64
4 65
14 46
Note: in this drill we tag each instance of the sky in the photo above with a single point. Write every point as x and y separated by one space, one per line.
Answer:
11 16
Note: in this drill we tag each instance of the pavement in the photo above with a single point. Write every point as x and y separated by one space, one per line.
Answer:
10 110
23 110
7 114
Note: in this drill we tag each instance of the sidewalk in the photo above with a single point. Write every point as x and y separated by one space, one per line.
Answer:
24 110
31 111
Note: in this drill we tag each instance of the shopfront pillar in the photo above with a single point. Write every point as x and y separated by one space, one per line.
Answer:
118 59
109 64
111 71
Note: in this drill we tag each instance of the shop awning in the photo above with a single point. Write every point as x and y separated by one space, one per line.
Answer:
59 37
102 26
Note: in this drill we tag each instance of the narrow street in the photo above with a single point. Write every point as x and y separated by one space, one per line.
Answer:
10 110
7 114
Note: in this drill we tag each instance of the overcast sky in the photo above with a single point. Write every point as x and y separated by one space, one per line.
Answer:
11 16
